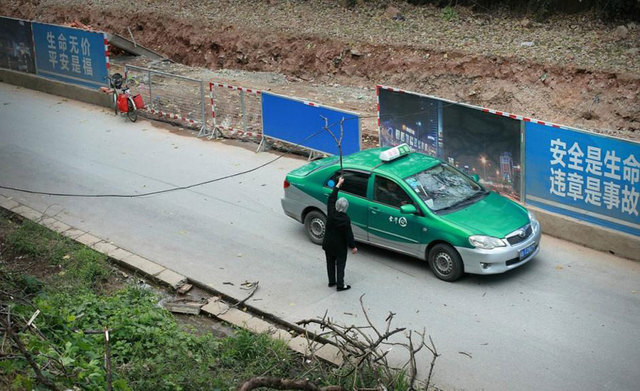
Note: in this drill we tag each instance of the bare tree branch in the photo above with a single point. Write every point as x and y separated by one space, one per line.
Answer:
366 349
284 384
36 369
254 288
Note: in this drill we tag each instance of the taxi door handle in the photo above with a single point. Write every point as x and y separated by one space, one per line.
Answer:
374 210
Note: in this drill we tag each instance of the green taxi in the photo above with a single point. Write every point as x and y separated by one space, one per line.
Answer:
417 205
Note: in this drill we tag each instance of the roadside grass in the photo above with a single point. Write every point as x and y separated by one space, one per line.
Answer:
79 294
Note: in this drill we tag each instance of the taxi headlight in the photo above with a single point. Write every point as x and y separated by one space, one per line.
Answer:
534 221
485 242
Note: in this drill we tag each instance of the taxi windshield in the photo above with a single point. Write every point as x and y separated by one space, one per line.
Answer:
443 187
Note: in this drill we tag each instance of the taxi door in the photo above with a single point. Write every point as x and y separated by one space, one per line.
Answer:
354 189
388 227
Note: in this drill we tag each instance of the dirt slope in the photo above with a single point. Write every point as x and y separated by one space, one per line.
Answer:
572 71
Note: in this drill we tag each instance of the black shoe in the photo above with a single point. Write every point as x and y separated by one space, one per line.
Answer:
343 288
332 284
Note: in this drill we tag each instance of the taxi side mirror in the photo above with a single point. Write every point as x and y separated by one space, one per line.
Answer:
475 178
408 209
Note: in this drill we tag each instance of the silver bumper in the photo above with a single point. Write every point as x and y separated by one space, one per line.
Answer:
292 209
500 259
295 201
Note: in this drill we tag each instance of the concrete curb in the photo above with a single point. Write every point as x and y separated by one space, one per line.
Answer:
33 82
573 230
215 307
588 235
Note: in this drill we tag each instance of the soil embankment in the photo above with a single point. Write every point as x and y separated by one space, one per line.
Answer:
571 71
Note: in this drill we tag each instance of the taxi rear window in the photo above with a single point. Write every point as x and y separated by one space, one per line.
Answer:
355 182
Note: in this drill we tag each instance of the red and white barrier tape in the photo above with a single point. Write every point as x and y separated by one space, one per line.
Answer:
173 116
521 118
249 90
378 103
240 132
392 89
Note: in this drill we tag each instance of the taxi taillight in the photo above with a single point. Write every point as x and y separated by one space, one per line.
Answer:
286 183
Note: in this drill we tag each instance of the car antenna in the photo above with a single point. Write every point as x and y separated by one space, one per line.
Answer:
338 141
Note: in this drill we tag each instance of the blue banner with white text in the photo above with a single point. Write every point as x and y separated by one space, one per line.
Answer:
583 175
70 55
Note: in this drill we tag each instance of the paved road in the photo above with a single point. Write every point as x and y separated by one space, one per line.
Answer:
569 320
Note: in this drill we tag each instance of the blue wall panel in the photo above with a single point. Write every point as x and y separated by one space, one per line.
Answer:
70 55
298 123
583 175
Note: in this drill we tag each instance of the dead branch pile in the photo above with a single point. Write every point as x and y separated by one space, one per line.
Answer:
364 350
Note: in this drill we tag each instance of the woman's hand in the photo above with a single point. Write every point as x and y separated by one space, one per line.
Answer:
340 180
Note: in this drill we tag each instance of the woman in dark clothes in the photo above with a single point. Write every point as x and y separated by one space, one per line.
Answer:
337 237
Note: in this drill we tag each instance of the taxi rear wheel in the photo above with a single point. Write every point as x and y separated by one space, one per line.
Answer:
445 262
315 223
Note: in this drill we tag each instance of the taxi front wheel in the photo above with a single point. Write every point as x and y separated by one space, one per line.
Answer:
445 262
315 223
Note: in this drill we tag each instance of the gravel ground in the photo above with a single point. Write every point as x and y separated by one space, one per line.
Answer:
577 40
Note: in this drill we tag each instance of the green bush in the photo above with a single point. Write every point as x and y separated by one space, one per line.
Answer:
148 349
449 14
31 239
84 269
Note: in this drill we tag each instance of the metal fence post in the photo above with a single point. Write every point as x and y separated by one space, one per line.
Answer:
244 114
150 94
203 128
214 131
263 140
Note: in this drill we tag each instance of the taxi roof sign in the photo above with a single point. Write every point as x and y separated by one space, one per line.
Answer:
395 153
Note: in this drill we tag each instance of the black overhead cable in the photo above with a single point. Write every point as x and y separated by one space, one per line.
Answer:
160 191
172 189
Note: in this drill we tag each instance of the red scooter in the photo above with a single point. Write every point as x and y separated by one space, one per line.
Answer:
123 101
